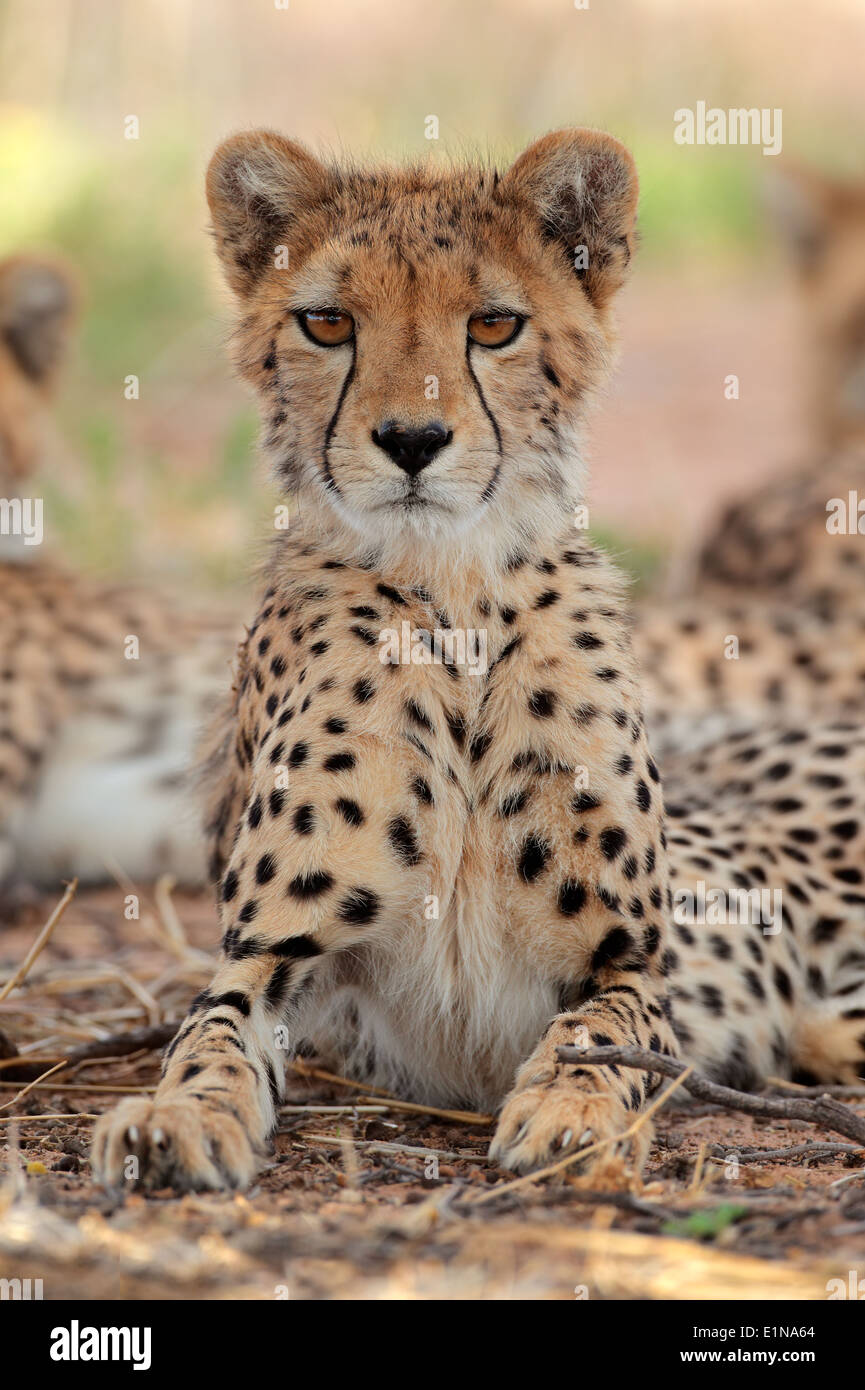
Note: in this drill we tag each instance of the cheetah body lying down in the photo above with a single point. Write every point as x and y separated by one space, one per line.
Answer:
433 875
95 747
782 569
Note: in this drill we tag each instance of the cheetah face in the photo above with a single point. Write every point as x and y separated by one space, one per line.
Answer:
36 310
823 219
424 343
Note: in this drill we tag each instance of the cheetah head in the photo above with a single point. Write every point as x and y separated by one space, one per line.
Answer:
36 312
424 341
823 221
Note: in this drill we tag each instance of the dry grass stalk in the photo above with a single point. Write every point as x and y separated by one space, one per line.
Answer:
302 1068
137 1040
44 1119
31 1086
333 1109
41 941
391 1146
580 1154
94 1089
462 1117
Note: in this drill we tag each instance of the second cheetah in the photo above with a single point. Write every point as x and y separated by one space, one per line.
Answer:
95 749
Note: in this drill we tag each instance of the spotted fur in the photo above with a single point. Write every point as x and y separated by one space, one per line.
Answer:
435 876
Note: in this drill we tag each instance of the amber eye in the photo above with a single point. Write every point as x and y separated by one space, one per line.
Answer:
330 327
494 330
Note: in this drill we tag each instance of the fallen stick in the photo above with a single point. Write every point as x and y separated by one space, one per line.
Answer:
386 1146
120 1045
624 1201
792 1088
96 1089
720 1153
333 1110
44 1119
822 1110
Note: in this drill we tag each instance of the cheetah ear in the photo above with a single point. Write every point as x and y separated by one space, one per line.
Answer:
583 185
257 184
37 307
804 205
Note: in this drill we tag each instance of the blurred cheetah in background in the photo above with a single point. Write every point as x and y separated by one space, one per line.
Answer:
94 747
783 567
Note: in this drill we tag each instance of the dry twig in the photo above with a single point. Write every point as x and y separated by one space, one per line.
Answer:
823 1110
40 942
811 1149
44 1119
391 1146
29 1087
106 1049
579 1155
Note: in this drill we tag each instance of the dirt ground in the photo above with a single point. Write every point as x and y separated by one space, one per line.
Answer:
370 1200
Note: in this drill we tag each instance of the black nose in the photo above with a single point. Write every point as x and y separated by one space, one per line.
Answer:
411 449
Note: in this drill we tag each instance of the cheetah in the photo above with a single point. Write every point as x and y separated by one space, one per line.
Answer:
798 538
94 747
782 568
434 871
783 538
773 624
821 219
712 666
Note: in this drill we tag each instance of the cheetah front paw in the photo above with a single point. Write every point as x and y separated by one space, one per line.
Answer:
542 1123
177 1143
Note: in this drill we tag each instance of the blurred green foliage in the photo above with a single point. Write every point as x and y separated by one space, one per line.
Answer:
706 1224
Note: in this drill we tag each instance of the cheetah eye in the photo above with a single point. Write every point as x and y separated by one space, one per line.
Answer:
329 327
494 330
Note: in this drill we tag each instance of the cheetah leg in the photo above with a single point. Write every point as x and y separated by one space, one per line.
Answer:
556 1108
209 1123
287 907
28 723
828 1042
213 1114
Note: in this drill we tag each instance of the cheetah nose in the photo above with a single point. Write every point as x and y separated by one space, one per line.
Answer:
412 449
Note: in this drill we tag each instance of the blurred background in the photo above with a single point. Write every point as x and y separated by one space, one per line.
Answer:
169 484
